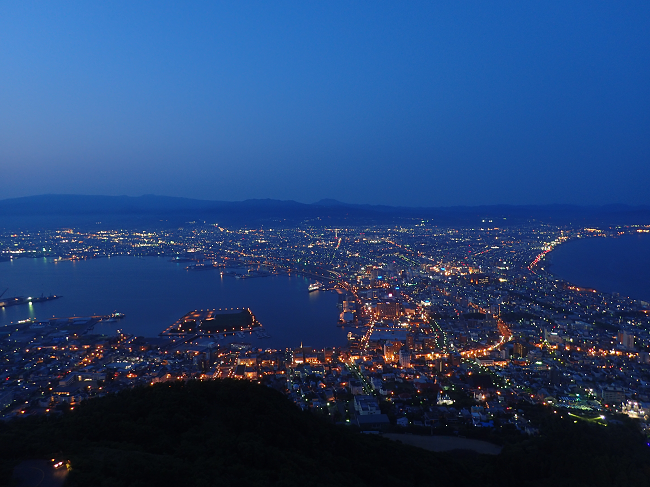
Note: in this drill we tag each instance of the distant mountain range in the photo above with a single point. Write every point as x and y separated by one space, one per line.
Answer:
53 210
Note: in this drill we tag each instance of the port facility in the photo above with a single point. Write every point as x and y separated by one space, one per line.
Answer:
213 322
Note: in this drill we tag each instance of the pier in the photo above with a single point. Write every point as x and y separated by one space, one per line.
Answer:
15 301
214 322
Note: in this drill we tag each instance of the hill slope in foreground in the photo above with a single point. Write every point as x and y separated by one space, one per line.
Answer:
238 433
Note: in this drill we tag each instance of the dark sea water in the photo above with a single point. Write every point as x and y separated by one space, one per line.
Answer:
619 265
153 293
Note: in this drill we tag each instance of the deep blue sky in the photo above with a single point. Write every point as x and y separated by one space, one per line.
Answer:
402 103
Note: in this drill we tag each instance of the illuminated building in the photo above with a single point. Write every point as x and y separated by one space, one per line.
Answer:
626 340
482 279
613 395
521 348
387 310
391 350
405 357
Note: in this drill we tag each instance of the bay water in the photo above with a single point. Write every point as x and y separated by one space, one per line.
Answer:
609 264
153 293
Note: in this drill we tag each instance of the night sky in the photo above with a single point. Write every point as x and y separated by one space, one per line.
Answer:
400 103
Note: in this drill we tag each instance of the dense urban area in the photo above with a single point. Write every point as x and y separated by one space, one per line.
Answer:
448 328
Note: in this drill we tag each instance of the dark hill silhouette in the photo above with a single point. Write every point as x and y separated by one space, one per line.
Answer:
234 433
215 433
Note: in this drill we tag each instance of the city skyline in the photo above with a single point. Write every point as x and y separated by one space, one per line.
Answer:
234 236
441 336
410 105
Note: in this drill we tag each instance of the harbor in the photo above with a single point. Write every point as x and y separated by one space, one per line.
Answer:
215 322
18 300
154 293
58 328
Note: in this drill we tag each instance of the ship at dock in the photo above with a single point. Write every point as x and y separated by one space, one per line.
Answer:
113 317
316 286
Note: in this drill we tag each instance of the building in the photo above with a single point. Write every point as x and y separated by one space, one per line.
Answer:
405 357
613 395
387 310
626 340
521 348
391 350
365 405
373 422
482 279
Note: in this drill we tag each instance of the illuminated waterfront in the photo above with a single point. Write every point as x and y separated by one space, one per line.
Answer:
427 310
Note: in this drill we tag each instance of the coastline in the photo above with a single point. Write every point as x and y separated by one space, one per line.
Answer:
611 268
154 293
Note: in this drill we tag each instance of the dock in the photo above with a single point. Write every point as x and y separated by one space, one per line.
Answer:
213 322
18 300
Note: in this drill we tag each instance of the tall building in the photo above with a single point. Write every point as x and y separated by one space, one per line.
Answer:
388 310
405 357
483 279
391 350
626 340
521 348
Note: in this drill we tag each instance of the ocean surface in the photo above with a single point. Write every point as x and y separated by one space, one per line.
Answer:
153 293
620 265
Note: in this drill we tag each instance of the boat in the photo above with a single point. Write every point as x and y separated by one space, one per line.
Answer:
181 259
316 286
118 316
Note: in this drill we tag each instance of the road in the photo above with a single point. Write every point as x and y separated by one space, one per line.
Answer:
39 473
